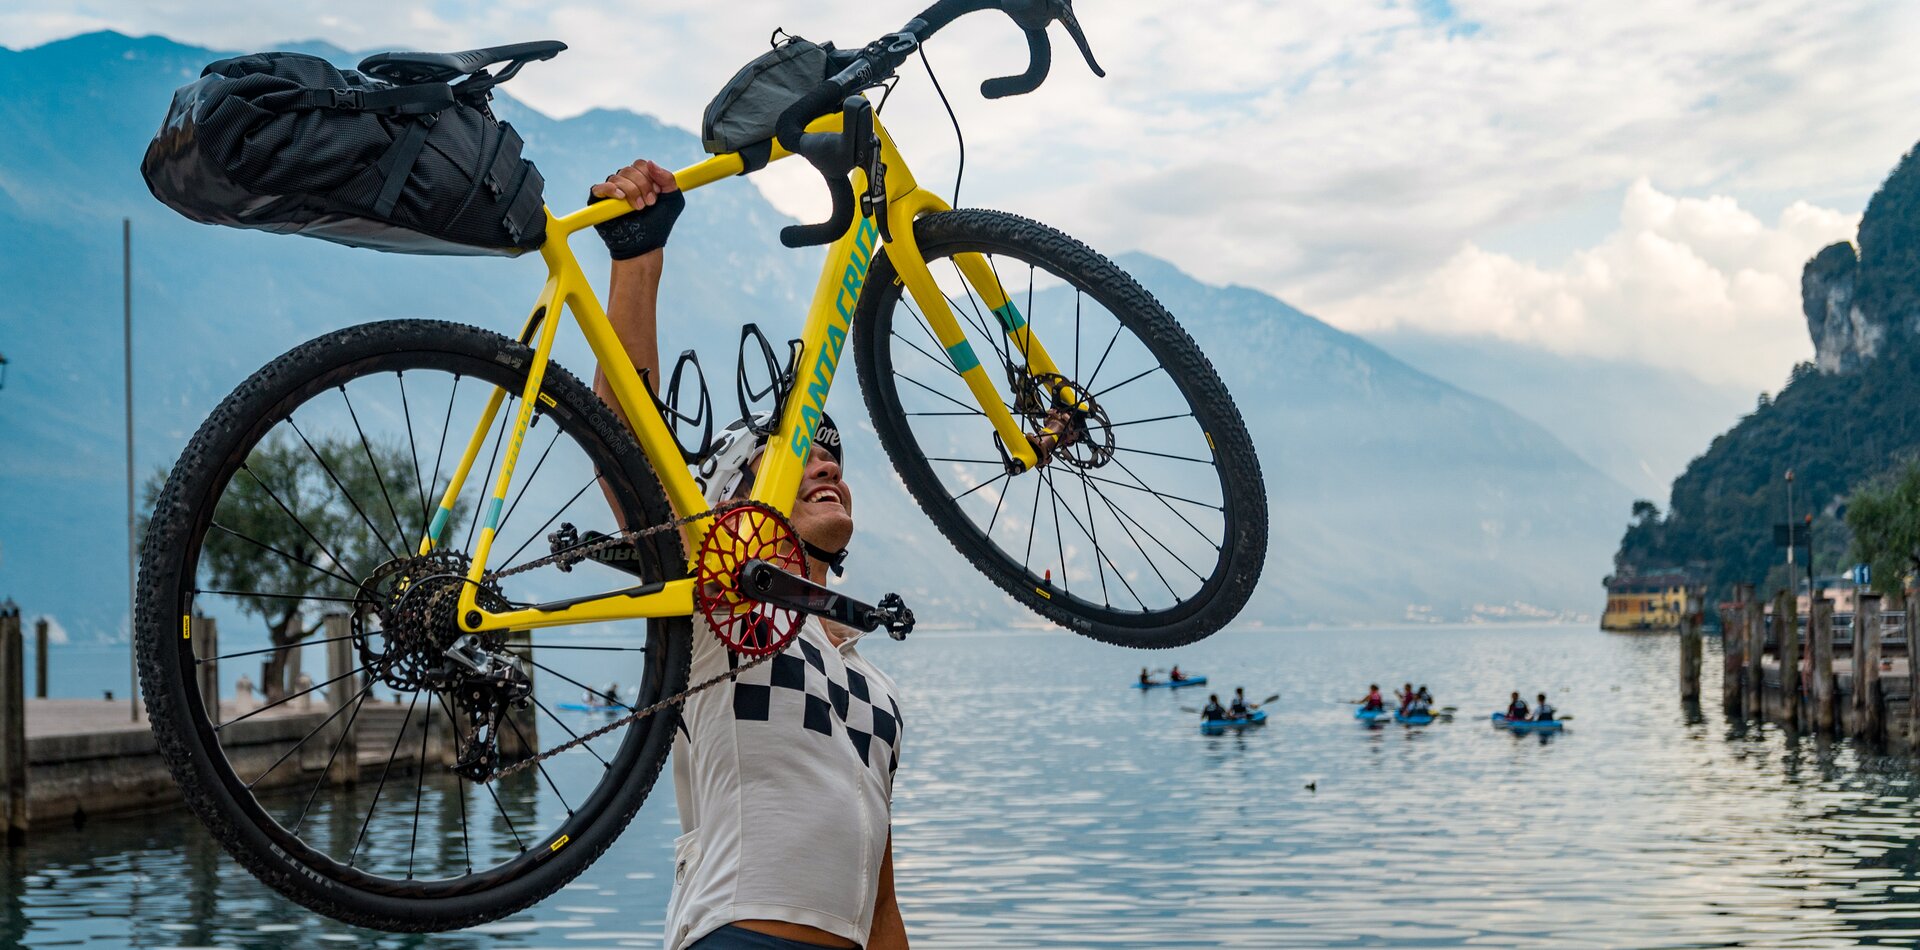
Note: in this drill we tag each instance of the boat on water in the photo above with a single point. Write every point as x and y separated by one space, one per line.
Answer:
1172 684
1500 721
1372 716
1422 719
1217 726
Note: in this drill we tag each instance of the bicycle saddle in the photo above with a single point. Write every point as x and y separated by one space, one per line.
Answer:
440 67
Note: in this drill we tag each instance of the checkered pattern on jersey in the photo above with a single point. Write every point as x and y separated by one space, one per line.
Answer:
814 687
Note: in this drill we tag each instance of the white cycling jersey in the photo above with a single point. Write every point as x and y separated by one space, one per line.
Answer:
784 779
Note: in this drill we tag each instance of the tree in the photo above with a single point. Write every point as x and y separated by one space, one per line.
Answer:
298 522
1885 518
1644 511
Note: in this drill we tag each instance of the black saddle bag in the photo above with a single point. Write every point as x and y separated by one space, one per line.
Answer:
288 143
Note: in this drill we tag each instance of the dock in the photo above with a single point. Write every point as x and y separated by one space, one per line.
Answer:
1828 673
63 761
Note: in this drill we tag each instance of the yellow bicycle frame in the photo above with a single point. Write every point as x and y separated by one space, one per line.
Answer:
829 321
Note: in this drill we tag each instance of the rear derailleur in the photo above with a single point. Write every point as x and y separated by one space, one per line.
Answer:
484 686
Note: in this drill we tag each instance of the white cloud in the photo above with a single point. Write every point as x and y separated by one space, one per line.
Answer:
1696 285
56 634
1316 149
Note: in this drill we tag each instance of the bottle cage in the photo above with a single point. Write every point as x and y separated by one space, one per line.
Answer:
702 417
779 380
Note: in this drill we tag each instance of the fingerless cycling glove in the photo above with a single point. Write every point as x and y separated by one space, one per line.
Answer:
637 232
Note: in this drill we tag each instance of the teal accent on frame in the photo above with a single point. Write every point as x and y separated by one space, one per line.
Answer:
439 522
962 355
493 515
1010 317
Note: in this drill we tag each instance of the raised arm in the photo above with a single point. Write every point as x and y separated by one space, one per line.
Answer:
636 241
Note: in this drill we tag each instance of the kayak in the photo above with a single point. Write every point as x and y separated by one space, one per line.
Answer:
1421 720
1371 716
1501 721
583 707
1217 726
1167 684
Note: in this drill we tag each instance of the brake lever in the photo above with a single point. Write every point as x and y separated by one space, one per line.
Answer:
1072 23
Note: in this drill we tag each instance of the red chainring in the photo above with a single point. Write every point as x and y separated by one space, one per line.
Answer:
742 533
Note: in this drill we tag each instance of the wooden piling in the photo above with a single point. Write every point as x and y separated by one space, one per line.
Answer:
40 658
206 650
1820 641
1751 682
1866 666
1690 650
340 659
1733 635
13 726
1911 603
1787 621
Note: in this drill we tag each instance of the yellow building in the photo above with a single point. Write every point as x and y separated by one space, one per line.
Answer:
1655 601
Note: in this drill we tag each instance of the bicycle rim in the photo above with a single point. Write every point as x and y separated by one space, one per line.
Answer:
1151 530
313 479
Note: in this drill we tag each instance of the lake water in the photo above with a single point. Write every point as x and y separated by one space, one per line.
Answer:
1042 803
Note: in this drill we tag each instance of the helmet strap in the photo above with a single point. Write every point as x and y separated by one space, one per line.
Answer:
834 559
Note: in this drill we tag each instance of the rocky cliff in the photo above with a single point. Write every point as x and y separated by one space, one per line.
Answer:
1859 303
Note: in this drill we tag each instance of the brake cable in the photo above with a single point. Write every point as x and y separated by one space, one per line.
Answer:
958 137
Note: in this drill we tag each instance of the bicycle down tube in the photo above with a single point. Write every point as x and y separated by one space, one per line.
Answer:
829 319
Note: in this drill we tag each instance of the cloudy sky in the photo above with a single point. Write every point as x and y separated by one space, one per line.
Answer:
1637 180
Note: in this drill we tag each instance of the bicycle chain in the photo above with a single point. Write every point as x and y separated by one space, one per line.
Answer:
580 552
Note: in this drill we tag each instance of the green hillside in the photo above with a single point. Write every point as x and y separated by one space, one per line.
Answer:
1841 421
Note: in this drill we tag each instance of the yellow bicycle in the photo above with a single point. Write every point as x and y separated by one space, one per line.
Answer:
1089 462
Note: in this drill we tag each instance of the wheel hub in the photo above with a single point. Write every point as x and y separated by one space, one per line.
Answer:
1066 423
417 601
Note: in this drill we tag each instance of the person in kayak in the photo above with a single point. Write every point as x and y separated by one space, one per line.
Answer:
1146 679
1517 708
764 731
1406 696
1374 701
1177 676
1541 711
1214 712
1239 709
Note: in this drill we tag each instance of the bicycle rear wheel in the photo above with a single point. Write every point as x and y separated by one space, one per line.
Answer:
1151 529
306 493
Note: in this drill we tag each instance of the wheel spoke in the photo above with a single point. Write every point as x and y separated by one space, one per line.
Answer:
297 522
413 449
528 484
385 770
289 698
275 649
345 731
378 478
550 520
296 746
331 476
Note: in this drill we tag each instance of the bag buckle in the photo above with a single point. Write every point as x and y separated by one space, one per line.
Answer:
345 99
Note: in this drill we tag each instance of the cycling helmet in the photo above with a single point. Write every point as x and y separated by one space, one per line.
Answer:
720 473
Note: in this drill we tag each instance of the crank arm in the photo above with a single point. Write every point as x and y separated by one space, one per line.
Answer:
764 582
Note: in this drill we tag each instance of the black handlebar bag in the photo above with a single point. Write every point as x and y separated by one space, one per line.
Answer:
288 143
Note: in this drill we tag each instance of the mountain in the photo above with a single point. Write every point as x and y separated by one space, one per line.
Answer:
1639 424
1842 420
1390 489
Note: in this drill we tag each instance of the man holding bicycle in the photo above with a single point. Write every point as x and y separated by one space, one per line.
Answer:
783 775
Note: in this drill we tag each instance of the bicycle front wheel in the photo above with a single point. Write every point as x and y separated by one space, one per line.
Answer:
290 526
1149 527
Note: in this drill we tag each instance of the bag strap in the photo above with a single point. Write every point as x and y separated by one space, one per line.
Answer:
418 99
397 162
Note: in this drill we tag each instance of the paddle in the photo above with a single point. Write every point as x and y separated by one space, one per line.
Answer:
1265 701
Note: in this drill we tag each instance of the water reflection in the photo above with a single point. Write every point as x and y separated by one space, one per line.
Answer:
1042 803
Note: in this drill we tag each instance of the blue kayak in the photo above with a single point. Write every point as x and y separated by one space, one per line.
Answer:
583 707
1217 726
1168 684
1501 721
1371 716
1425 719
